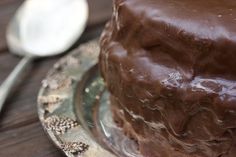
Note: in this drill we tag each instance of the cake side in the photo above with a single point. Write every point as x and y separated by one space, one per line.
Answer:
170 83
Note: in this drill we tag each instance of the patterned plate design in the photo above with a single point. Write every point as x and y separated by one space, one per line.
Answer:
56 107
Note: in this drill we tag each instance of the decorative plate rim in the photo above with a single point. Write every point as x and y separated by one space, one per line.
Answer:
56 108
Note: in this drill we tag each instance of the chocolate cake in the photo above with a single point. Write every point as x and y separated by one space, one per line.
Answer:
170 67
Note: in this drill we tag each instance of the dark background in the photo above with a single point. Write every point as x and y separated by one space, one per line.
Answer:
21 134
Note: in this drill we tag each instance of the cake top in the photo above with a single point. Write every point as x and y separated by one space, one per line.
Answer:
197 37
212 19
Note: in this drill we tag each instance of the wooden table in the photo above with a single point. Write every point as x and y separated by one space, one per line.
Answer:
21 134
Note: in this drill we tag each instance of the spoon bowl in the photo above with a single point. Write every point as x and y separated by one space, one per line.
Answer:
46 28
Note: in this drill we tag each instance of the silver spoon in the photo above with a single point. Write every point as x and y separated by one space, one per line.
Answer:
40 29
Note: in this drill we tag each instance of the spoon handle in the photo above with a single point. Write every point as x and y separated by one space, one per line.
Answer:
7 85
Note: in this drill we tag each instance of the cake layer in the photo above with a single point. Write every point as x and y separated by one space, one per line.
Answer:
155 139
202 32
171 64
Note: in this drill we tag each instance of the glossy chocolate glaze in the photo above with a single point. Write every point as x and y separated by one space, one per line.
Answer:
170 66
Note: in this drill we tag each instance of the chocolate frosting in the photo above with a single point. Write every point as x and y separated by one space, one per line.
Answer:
170 66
